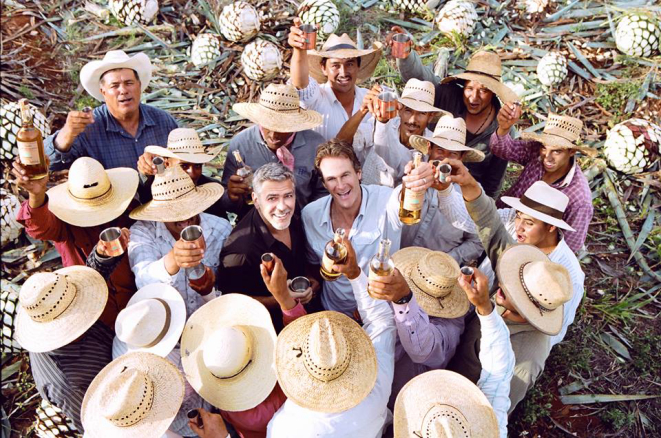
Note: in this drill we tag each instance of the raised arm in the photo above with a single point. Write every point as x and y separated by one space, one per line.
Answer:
299 69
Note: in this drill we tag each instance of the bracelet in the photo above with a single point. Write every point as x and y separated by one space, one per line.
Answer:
406 299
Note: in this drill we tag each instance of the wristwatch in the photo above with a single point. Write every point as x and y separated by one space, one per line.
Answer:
405 300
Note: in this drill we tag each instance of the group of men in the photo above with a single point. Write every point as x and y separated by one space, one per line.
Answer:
198 336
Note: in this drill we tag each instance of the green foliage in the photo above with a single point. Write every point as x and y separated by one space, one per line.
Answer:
645 354
614 96
617 419
25 91
86 100
536 406
625 308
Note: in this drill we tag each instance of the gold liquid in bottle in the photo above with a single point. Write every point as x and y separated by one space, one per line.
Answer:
410 206
245 172
30 145
334 253
381 264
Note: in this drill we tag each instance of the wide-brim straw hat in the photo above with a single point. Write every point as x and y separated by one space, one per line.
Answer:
485 68
255 382
175 197
510 272
176 319
542 202
92 195
445 400
449 134
279 110
452 305
419 96
344 47
90 74
561 132
184 144
168 394
90 294
338 394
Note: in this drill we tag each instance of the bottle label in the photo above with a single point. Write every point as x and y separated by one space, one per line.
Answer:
413 200
28 152
327 263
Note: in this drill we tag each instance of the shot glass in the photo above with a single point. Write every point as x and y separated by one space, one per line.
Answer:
299 284
110 236
87 109
310 32
159 163
194 414
467 274
444 170
401 45
193 234
268 261
388 104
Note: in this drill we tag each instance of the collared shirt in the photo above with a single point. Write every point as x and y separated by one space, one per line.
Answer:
579 210
151 242
107 142
367 419
255 153
379 208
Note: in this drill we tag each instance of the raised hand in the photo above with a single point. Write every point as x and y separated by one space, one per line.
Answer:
76 123
507 117
478 292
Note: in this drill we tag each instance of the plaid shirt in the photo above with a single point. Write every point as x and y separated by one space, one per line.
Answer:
579 210
107 142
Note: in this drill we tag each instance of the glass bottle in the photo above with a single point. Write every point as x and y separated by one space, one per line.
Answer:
381 264
335 253
30 145
410 206
245 172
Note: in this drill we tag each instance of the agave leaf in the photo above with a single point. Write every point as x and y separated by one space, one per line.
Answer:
616 345
583 60
583 399
644 232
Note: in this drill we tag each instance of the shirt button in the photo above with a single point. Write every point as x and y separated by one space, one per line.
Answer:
400 312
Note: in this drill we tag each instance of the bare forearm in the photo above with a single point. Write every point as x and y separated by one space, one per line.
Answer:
170 263
349 129
299 69
37 200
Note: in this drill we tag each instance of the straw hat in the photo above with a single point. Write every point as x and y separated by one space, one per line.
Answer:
485 68
343 47
449 134
419 96
537 287
90 74
152 320
325 362
56 308
92 195
185 145
432 277
279 110
442 403
136 395
561 132
542 202
176 198
227 352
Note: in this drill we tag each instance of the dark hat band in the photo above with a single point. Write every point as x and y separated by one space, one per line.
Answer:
550 211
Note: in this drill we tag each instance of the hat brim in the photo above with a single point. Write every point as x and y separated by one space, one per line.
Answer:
471 156
504 93
82 313
518 205
90 74
252 385
279 121
189 205
177 307
88 213
507 271
168 395
200 158
443 387
340 394
369 60
556 142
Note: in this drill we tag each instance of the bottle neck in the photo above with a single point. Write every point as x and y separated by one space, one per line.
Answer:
384 251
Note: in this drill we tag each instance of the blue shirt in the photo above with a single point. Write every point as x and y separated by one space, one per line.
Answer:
107 142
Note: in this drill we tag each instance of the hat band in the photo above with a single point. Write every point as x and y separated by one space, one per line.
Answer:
537 304
496 77
166 325
340 46
233 375
107 192
281 110
183 149
537 206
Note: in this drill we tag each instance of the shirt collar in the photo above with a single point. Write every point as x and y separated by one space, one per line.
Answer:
570 175
260 226
326 219
113 124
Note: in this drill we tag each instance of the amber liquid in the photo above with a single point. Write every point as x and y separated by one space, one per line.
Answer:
379 269
407 214
31 152
246 174
334 254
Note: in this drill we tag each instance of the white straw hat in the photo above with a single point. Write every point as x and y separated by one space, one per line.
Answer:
92 195
227 352
325 362
537 287
56 308
419 96
152 320
184 144
175 197
442 403
432 277
136 395
279 110
343 47
542 202
561 132
90 74
450 134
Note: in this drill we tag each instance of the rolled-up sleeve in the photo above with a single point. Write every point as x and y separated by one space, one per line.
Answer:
62 160
145 260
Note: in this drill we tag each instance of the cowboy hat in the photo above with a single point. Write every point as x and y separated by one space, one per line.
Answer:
184 144
560 132
227 352
443 403
537 287
136 395
325 362
343 47
56 308
542 202
175 197
279 110
90 74
485 68
419 96
92 195
152 321
432 277
449 134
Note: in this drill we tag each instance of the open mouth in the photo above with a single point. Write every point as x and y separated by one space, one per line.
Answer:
281 216
125 100
344 195
520 238
501 295
344 80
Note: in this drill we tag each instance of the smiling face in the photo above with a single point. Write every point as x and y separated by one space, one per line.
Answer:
412 123
121 90
555 160
276 202
531 230
477 97
341 180
341 73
